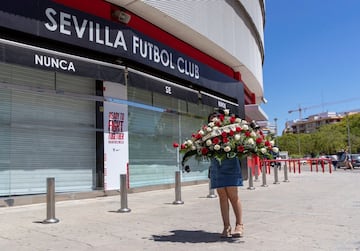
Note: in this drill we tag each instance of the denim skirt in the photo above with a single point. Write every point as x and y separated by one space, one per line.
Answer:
225 173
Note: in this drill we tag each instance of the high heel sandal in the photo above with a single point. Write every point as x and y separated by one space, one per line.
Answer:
226 232
238 231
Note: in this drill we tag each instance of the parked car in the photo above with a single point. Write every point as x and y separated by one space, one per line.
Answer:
322 159
304 161
355 160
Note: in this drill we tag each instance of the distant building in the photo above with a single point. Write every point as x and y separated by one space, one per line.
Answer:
314 122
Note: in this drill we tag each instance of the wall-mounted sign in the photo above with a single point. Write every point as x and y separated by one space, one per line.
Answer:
15 53
116 139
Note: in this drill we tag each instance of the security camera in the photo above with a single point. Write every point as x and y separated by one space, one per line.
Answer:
122 16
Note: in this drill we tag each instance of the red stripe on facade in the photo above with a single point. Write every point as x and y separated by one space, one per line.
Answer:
95 7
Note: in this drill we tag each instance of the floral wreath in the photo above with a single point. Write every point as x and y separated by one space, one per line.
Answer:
227 136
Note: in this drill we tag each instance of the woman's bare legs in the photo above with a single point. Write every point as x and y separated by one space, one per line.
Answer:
232 194
224 206
227 194
234 198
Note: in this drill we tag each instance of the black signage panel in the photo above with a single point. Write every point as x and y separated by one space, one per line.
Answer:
59 63
165 88
220 103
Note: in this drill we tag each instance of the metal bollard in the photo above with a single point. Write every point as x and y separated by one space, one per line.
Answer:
263 171
256 173
211 191
251 183
123 194
50 201
276 174
286 173
178 200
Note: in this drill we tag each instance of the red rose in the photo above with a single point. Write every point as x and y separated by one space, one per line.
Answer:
221 117
215 140
224 134
240 149
232 120
204 151
183 146
225 140
267 143
231 133
238 129
247 134
175 145
259 140
198 136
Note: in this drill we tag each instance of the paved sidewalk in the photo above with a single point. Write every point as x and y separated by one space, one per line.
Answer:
314 211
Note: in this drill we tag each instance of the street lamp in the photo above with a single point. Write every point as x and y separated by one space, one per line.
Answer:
348 132
275 120
298 137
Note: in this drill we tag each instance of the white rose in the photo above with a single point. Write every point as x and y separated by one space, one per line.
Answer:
253 134
250 141
238 120
245 127
215 128
211 124
226 111
275 149
227 149
217 147
193 147
208 142
272 142
208 129
263 150
189 142
201 132
237 137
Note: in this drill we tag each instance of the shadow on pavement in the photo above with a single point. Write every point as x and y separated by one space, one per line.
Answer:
194 236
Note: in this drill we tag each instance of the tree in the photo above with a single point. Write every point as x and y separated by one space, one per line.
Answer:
288 142
328 139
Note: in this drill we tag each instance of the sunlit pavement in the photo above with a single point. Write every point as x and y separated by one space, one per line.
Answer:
313 211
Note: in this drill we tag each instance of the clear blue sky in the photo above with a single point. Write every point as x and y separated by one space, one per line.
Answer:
312 58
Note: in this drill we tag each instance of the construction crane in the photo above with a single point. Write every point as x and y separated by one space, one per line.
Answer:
297 110
301 109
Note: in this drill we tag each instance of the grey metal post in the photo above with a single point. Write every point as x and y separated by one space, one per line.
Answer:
286 173
211 191
251 184
263 171
276 174
123 193
178 189
50 201
256 173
